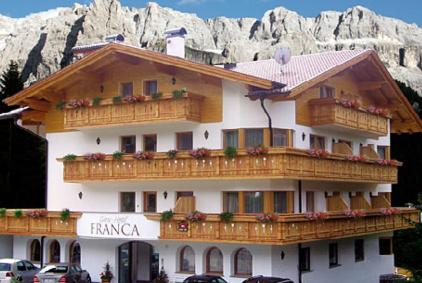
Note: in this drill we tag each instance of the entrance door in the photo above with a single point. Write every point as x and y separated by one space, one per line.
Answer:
137 263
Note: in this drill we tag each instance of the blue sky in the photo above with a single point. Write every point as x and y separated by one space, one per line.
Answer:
407 10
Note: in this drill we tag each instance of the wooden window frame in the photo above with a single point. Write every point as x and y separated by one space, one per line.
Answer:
145 201
390 244
207 261
178 134
147 136
121 143
236 261
238 137
238 201
181 257
359 254
144 82
319 137
289 134
332 89
333 247
265 136
120 202
121 88
308 259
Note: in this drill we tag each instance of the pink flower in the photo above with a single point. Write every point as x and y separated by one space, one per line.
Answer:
78 103
200 153
319 153
355 213
95 156
256 151
267 217
316 215
196 216
143 155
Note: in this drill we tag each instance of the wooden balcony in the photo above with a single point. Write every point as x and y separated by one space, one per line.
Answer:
288 229
329 113
167 108
50 225
279 163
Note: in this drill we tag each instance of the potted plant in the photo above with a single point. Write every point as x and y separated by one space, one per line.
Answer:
267 217
226 217
3 212
257 150
200 153
156 95
179 93
143 155
65 214
134 98
318 153
196 216
37 213
117 155
95 156
60 105
230 152
18 213
106 275
355 213
96 101
117 99
162 277
78 103
316 215
69 157
167 215
172 153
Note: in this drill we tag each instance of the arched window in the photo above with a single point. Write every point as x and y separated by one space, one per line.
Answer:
243 262
35 251
187 260
214 261
54 252
75 253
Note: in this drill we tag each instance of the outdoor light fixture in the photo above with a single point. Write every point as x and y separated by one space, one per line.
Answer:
98 140
206 134
101 88
303 136
80 195
165 194
173 80
282 255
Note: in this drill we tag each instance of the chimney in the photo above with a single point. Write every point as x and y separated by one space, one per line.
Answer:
175 42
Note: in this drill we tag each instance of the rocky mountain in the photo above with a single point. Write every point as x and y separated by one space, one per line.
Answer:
41 43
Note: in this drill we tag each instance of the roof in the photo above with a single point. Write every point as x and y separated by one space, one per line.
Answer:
299 69
13 113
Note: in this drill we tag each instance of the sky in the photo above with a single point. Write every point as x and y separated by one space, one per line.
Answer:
406 10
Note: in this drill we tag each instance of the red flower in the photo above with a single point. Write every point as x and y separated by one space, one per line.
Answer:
390 211
95 156
78 103
200 153
355 213
267 217
316 215
37 213
196 216
257 151
134 99
319 153
143 155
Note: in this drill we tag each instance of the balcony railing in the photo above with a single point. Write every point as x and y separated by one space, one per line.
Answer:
288 229
48 225
287 163
329 112
167 108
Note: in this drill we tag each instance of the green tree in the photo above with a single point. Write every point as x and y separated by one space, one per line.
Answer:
10 84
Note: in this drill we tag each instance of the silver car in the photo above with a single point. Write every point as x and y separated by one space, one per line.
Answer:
22 270
62 273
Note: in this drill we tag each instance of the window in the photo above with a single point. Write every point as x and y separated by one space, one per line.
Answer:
231 202
243 262
283 202
214 261
150 87
187 260
54 252
305 259
35 249
231 138
128 144
20 266
183 194
150 202
326 91
386 246
184 141
333 254
254 202
75 253
126 89
383 152
280 137
317 142
310 201
29 265
254 137
359 250
127 201
150 142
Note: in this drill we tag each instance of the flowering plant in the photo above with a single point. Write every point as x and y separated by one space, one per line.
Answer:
267 217
37 213
200 153
196 216
355 213
316 215
95 156
257 150
390 211
388 162
143 155
355 158
172 153
378 111
106 274
78 103
354 103
134 98
319 153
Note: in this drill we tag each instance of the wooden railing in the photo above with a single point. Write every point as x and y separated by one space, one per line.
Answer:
50 225
285 163
288 229
329 112
166 108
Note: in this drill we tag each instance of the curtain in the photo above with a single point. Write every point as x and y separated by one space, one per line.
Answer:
184 141
187 260
280 202
231 202
254 137
231 138
243 262
280 137
254 202
215 261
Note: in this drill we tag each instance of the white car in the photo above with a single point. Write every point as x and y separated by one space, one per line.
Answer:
22 270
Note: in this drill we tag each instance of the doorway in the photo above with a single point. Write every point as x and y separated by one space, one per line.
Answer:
138 263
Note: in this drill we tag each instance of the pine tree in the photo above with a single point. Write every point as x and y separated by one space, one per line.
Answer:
10 84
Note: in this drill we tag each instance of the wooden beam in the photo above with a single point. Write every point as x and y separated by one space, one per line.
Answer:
34 116
37 104
371 85
128 59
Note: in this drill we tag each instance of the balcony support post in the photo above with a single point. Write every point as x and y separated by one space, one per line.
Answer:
42 251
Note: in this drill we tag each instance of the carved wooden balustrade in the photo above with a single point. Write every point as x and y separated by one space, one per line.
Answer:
288 163
288 229
49 225
329 112
107 113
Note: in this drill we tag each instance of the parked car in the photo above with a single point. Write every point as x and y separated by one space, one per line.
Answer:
267 279
204 279
22 270
62 273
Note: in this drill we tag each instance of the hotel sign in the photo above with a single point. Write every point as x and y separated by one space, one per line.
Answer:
117 226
